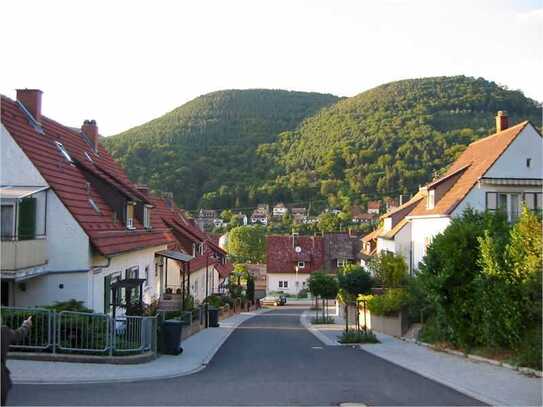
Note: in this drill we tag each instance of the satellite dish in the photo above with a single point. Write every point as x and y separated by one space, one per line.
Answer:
298 249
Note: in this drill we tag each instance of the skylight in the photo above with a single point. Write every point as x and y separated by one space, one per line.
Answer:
94 206
88 157
63 151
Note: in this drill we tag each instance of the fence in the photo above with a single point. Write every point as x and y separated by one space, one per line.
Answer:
80 332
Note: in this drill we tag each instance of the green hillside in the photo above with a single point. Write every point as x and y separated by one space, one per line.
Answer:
209 144
388 140
238 148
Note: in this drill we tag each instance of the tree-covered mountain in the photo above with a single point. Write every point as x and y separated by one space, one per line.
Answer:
238 148
388 140
209 144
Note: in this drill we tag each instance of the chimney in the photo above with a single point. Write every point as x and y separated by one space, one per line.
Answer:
144 189
90 129
502 121
31 100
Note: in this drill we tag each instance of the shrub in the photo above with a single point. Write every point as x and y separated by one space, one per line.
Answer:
70 305
389 269
358 337
390 303
302 293
323 320
215 301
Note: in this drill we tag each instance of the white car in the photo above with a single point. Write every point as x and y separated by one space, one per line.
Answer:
274 300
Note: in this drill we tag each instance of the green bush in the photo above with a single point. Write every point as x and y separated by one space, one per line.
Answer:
215 301
389 269
322 321
388 304
528 351
70 305
358 337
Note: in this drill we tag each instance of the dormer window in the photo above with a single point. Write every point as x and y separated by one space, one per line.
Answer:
430 202
130 215
147 217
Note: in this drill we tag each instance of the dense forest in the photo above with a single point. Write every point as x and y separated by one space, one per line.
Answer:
209 144
233 149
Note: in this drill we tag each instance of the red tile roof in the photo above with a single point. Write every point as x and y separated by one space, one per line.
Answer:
374 205
472 164
68 181
281 256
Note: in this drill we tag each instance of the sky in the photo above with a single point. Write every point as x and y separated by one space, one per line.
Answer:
124 63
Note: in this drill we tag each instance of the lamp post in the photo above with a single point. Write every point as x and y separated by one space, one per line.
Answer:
296 278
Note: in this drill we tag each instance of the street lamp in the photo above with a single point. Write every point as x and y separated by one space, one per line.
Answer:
296 278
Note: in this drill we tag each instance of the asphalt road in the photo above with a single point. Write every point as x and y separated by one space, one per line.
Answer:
269 360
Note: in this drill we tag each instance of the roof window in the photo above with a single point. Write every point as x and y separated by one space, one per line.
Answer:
88 157
63 151
94 206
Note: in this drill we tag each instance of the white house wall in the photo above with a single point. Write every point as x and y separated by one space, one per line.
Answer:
142 258
423 230
512 163
67 243
17 169
274 278
52 287
198 283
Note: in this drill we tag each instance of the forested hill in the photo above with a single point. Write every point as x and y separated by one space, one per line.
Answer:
390 139
209 144
224 150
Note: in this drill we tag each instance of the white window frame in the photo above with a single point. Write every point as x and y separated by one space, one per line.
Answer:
63 151
13 234
147 216
285 284
280 283
301 264
130 221
341 262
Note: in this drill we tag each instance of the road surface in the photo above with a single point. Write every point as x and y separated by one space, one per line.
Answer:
271 359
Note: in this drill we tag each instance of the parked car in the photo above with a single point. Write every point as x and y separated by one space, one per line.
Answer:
274 300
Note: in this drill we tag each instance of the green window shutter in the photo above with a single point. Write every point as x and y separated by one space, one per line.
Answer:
27 219
107 294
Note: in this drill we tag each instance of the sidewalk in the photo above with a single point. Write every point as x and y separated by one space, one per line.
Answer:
490 384
197 352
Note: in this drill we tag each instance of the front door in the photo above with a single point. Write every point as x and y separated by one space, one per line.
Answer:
5 293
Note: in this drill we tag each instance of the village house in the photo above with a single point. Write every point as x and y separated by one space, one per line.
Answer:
359 216
501 172
196 266
259 216
392 203
299 215
340 249
290 260
279 210
72 222
206 219
374 207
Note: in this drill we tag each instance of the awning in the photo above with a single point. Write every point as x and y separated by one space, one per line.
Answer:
175 255
512 181
16 192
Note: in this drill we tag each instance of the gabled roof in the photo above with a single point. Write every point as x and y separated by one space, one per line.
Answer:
373 235
69 181
374 205
473 163
281 255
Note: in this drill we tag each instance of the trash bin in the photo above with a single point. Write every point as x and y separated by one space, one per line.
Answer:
213 317
171 336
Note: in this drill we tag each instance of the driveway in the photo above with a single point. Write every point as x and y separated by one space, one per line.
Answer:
270 359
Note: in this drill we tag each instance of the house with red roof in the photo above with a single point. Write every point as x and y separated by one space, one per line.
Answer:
73 223
501 172
374 207
291 259
207 270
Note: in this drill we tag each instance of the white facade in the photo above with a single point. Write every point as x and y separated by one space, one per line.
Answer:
279 211
197 281
294 283
423 230
71 271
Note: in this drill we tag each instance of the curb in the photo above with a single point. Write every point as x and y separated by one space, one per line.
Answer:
526 371
188 372
319 335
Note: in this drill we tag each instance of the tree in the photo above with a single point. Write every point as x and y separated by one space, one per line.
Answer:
389 269
353 281
328 222
324 286
226 215
247 244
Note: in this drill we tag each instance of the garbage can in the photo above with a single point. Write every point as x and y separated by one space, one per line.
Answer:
171 336
213 317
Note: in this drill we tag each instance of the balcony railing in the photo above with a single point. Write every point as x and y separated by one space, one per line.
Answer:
23 254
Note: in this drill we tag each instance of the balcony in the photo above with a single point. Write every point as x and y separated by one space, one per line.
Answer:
23 254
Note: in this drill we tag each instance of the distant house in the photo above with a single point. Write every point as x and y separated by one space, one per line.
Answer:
299 215
242 217
206 219
280 210
290 261
340 249
259 273
259 216
501 172
359 216
263 208
374 207
369 247
391 203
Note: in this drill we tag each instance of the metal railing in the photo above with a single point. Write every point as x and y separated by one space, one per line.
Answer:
81 332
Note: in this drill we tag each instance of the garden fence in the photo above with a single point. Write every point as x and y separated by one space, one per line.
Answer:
81 332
